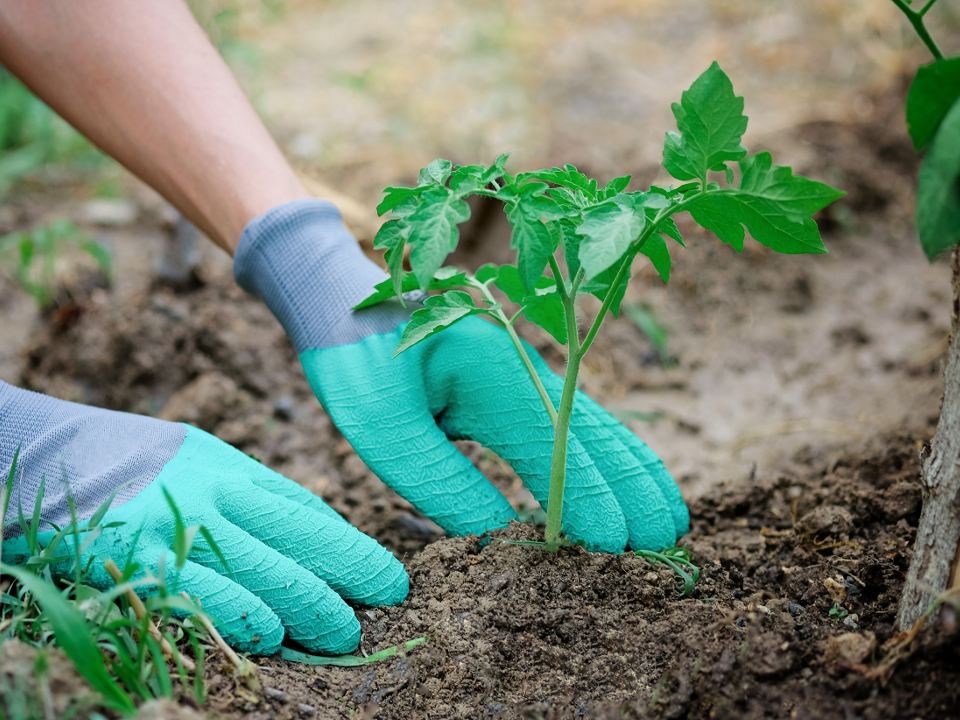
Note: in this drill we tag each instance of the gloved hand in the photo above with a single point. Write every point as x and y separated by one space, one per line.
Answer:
400 413
290 557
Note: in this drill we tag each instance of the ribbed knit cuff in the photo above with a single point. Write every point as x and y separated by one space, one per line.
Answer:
301 260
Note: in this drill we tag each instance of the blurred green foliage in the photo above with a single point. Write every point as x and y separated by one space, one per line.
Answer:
34 137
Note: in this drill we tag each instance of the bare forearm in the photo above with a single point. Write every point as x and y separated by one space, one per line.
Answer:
143 82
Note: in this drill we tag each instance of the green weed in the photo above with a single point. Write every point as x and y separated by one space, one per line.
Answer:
32 257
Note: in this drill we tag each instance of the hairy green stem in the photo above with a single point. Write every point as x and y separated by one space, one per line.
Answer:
916 19
558 462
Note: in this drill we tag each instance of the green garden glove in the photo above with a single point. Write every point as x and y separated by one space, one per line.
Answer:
291 560
401 413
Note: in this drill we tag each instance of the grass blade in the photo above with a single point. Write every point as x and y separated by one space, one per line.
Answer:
73 636
350 660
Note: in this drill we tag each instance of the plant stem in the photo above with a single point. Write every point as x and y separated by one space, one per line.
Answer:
521 351
916 19
558 462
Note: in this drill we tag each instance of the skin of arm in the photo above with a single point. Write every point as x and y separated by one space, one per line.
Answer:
142 81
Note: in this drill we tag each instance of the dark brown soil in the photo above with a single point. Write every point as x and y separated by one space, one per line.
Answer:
800 581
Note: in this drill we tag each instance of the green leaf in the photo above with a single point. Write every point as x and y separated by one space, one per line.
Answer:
938 192
567 177
724 213
655 248
74 636
487 272
444 279
438 313
614 187
434 231
711 122
531 239
545 308
392 236
773 204
603 283
394 197
436 172
510 283
793 194
607 230
934 90
668 227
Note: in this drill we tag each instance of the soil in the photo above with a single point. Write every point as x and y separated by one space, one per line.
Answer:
792 410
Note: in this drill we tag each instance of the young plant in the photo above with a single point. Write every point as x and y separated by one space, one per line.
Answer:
575 236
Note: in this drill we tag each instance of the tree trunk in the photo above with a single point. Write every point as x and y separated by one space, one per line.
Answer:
934 567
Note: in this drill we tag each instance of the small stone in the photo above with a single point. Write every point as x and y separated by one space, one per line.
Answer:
848 650
306 710
795 608
651 577
283 407
852 621
275 694
825 521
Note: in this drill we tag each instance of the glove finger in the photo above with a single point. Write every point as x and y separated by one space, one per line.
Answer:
415 458
509 418
274 482
653 465
243 619
648 515
311 613
351 563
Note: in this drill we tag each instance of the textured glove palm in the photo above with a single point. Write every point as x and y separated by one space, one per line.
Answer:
401 413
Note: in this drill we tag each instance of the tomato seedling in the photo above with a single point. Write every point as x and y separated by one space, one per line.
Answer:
574 236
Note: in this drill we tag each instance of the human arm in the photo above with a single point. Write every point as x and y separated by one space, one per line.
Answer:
143 82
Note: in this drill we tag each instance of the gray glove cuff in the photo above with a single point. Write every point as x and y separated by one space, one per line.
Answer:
301 260
78 451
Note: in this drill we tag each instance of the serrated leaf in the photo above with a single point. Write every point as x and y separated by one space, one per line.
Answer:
436 172
567 177
614 187
938 192
655 248
531 239
774 204
793 194
394 197
725 213
668 227
446 278
607 230
434 231
438 313
711 122
934 90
